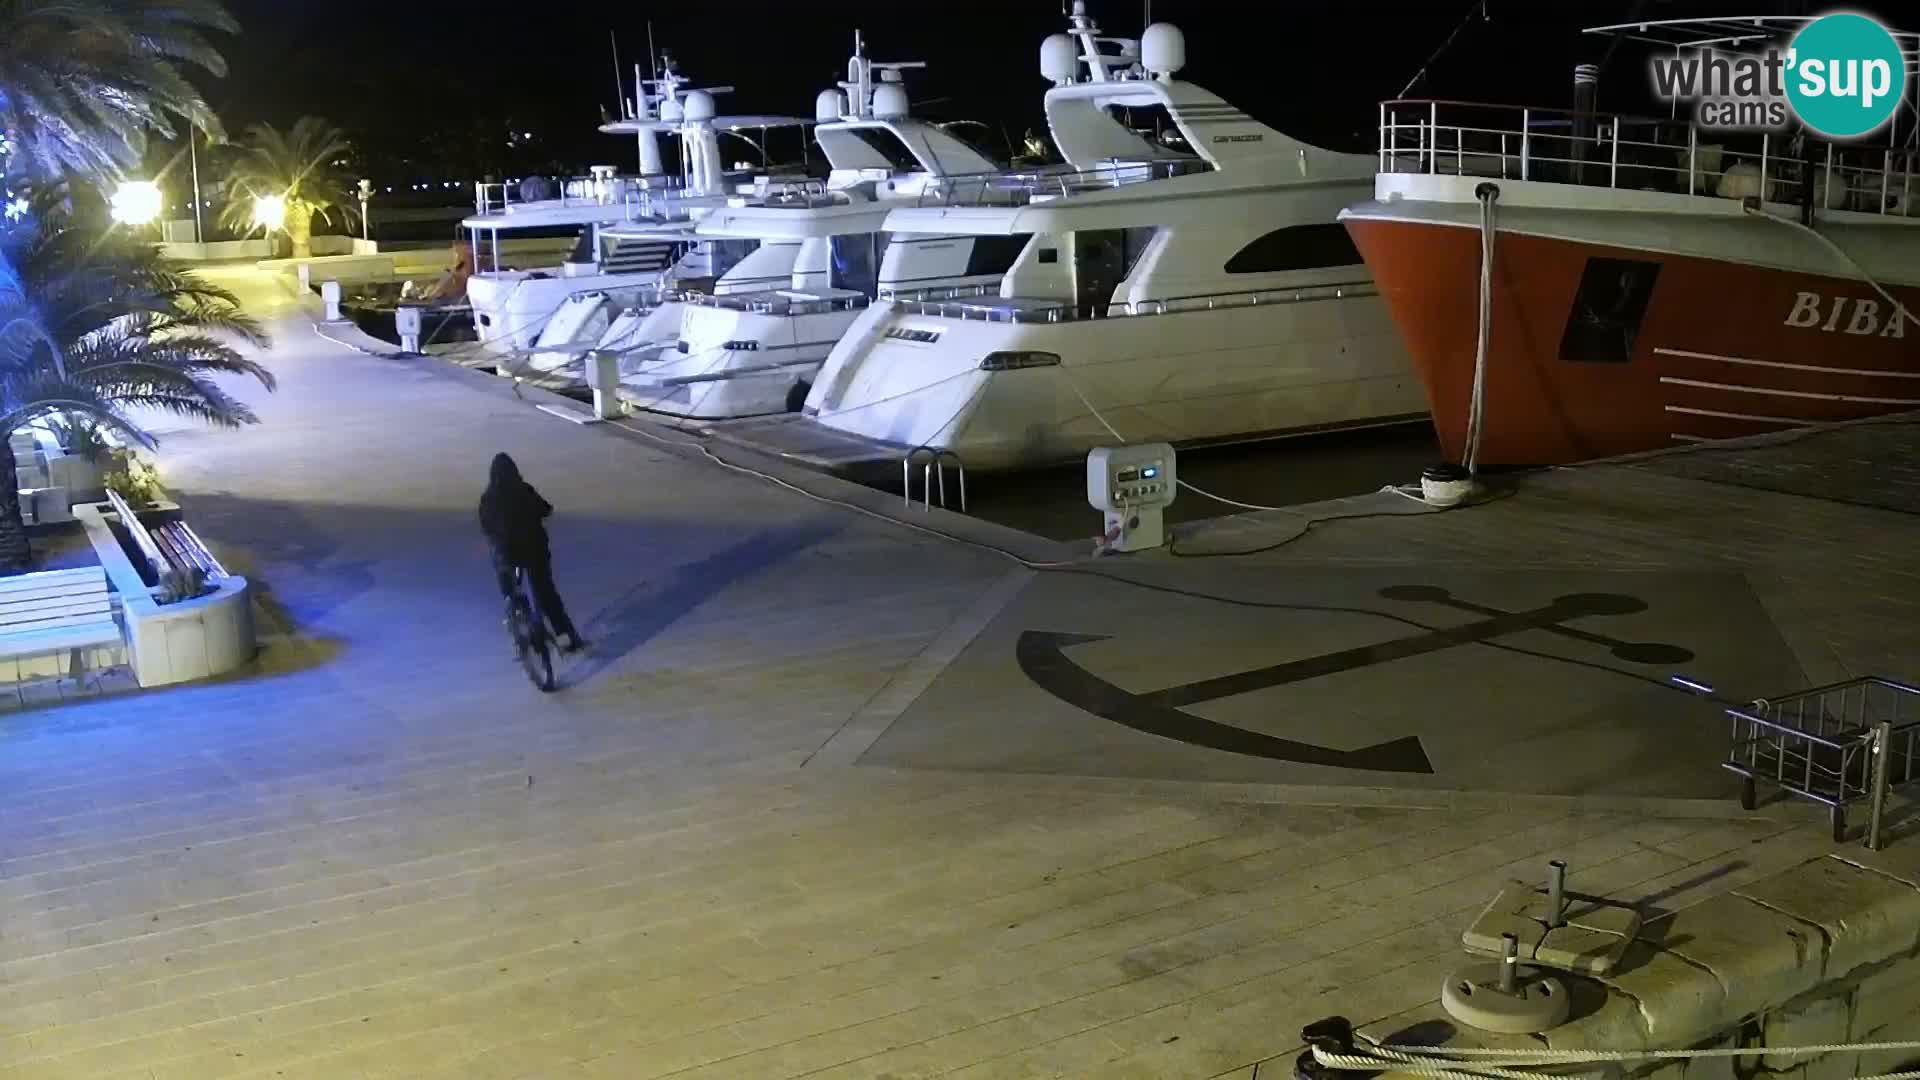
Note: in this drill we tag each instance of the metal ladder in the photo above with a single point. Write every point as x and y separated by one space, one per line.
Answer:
933 470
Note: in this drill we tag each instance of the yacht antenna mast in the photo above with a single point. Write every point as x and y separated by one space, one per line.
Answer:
652 56
619 87
1479 8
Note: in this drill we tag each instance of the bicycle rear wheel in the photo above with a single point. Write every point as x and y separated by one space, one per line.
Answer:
530 639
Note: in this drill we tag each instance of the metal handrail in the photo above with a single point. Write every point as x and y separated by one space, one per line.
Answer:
1844 752
1020 188
758 304
934 466
1433 136
1171 305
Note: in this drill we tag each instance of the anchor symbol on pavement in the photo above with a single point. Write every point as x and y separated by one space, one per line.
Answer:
1041 655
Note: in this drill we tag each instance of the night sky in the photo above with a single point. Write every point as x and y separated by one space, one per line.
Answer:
428 85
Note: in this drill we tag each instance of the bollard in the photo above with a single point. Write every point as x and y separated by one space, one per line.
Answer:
1509 964
1556 894
330 295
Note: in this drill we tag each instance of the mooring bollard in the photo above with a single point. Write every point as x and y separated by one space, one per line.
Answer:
330 296
1509 963
1556 894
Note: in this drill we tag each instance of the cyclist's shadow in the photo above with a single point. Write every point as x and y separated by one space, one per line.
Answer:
647 609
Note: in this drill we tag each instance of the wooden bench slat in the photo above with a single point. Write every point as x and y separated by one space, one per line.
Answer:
46 641
15 619
49 578
59 595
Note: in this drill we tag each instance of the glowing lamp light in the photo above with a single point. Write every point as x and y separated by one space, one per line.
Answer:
270 212
136 202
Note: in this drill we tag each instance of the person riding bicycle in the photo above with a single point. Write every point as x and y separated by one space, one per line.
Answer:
513 517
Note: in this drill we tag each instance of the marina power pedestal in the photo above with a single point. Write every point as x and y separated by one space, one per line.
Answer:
1133 486
603 378
330 297
406 324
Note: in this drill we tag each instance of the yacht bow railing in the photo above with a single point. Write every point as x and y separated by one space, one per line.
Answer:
1021 188
1458 138
1018 311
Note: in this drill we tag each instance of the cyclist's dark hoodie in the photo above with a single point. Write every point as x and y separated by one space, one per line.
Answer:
513 515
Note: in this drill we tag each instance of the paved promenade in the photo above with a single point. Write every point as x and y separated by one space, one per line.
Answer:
834 798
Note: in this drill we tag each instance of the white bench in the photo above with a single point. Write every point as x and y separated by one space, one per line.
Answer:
56 611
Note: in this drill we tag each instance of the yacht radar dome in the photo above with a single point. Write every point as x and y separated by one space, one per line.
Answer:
889 101
829 106
671 111
699 107
1059 60
1163 50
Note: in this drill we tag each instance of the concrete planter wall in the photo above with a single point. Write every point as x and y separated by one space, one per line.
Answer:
179 642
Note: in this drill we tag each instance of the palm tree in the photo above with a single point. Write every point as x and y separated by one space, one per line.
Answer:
112 328
302 166
83 81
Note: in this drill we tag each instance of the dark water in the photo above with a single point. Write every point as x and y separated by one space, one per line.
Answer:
1281 472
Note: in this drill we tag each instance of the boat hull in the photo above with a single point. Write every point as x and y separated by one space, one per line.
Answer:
904 378
1598 350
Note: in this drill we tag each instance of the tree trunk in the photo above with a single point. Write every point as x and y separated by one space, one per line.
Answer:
15 556
300 230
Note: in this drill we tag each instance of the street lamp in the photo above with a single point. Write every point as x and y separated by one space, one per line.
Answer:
136 202
366 223
270 212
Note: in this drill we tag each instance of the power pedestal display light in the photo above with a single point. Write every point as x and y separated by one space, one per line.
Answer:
1132 486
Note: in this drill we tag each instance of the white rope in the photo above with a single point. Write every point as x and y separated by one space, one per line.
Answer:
1476 409
1459 1061
1899 308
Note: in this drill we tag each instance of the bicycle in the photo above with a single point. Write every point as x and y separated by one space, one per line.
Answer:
529 630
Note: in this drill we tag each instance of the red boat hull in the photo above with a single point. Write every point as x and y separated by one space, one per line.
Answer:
1598 350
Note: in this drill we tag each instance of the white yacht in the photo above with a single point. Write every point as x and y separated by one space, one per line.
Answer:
657 249
1187 287
752 343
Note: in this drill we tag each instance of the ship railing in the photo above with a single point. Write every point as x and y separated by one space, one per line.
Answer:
498 198
1016 310
1850 742
761 304
1022 188
1609 150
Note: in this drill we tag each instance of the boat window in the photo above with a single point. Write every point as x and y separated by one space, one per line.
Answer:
995 254
1049 255
725 253
884 142
856 262
1608 310
1297 247
1152 123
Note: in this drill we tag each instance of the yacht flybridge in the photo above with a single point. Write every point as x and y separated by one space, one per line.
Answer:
750 343
512 307
1194 286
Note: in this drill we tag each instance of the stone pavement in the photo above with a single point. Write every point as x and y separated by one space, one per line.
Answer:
762 832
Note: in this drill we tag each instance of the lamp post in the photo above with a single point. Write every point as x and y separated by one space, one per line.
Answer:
193 155
366 223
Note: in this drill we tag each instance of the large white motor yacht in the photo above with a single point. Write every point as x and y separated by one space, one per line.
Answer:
657 248
1187 287
752 343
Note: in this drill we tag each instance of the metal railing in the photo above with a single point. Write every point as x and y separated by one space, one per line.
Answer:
761 304
1835 745
933 470
1021 188
642 197
1458 138
1015 311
